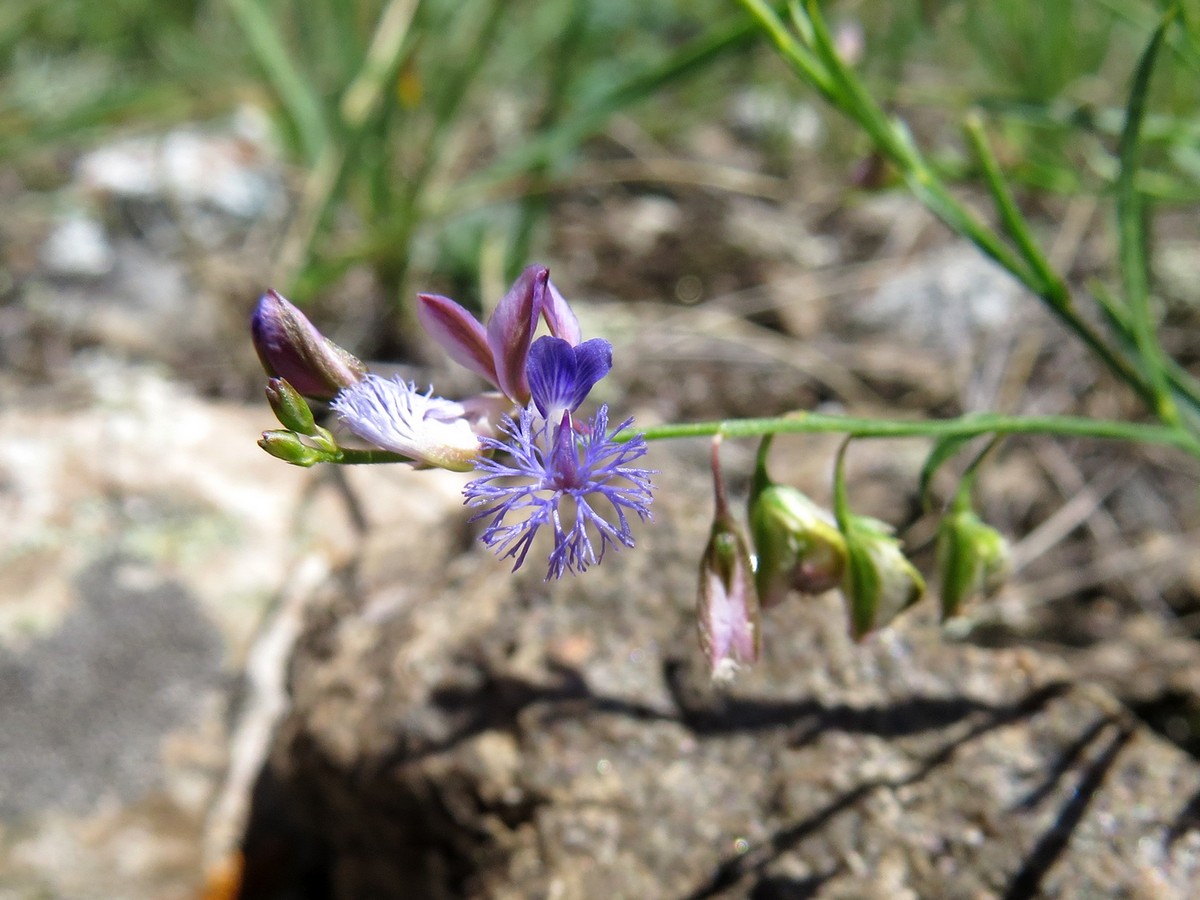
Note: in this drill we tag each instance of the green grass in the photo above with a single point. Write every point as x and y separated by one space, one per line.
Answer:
418 121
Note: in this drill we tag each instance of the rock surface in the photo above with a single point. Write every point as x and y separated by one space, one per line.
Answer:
460 732
144 538
202 649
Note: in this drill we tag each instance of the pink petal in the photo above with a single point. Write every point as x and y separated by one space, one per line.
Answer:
461 335
510 330
559 317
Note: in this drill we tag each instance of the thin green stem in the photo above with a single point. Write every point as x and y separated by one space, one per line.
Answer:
359 104
841 499
1052 288
301 98
456 80
791 50
354 457
560 79
1184 385
965 426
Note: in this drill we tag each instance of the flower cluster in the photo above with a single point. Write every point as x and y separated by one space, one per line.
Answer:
540 464
796 546
800 547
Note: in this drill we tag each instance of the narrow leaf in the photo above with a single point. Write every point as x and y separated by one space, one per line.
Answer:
298 96
944 450
1131 230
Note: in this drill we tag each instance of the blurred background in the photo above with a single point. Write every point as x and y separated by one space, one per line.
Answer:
163 162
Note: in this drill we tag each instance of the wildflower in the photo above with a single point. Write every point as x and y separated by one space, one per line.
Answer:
879 581
797 542
727 607
574 478
290 347
565 479
394 415
973 559
499 352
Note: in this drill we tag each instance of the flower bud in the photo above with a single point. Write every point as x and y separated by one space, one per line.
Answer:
879 582
973 560
728 608
289 407
290 448
290 347
797 542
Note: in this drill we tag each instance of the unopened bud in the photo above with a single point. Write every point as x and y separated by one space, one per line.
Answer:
290 347
727 608
973 560
879 581
288 446
289 407
797 542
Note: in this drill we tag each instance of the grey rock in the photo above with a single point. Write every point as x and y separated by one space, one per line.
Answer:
230 168
144 537
460 732
78 247
948 303
87 707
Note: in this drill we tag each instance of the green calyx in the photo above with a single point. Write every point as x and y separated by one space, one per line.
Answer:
973 560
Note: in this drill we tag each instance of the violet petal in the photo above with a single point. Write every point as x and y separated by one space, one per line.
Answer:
561 376
552 372
593 360
459 333
559 316
510 331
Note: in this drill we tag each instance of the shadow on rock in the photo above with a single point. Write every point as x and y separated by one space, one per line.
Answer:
749 865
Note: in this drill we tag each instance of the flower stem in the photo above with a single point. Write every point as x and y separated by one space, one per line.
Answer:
965 426
354 457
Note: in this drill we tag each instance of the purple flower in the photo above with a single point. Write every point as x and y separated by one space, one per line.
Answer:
555 472
396 416
290 347
561 376
580 484
499 352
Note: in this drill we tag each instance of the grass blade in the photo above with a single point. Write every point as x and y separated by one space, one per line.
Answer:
1052 287
1131 231
298 96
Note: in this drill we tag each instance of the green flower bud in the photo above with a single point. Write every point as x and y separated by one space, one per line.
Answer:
289 447
797 542
289 407
879 581
973 560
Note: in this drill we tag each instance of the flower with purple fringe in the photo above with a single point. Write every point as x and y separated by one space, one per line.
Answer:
577 482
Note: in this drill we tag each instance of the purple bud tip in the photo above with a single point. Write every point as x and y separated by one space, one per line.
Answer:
510 330
290 347
459 333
